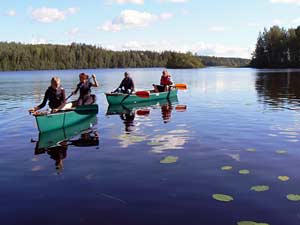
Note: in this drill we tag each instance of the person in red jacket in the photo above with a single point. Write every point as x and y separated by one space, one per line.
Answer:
165 82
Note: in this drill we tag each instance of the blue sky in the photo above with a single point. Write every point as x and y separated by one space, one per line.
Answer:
215 27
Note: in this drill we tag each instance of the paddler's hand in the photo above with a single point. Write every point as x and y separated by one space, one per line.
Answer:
32 110
54 110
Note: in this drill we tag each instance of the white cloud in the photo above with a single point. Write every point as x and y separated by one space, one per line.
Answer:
11 13
286 1
36 41
217 29
296 21
200 48
131 19
74 31
49 15
175 1
278 22
138 2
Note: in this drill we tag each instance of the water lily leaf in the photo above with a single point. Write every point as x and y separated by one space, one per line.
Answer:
251 223
244 172
251 150
169 160
154 143
260 188
222 198
283 178
281 152
226 168
293 197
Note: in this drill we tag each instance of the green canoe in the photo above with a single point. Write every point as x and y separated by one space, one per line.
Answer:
119 109
118 98
54 121
53 138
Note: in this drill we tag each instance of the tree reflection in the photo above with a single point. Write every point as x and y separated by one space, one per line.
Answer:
278 90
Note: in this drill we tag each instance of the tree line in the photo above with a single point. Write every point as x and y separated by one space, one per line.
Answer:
17 56
277 48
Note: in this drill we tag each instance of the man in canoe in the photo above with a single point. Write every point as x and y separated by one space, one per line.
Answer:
165 82
56 96
84 88
126 86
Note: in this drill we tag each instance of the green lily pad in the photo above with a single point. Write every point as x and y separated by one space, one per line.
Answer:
251 223
283 178
169 160
226 168
293 197
251 150
244 172
260 188
154 143
222 198
281 152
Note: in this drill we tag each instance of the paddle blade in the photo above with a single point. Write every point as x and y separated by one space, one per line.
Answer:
181 86
143 94
143 112
181 108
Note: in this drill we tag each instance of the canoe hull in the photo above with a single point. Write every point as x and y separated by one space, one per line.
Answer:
116 98
56 121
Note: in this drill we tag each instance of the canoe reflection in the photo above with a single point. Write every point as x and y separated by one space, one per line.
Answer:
128 112
55 143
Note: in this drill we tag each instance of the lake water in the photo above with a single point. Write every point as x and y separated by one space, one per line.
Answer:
113 173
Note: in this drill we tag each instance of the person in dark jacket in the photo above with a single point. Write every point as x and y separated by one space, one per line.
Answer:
84 88
127 85
56 96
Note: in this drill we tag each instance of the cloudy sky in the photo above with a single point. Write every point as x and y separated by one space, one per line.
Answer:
215 27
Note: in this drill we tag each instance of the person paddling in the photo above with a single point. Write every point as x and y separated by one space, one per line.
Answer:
165 82
56 96
84 88
126 86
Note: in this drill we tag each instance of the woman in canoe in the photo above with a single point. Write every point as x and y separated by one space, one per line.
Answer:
56 96
84 88
165 82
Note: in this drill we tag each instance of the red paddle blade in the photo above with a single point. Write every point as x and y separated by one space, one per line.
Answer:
143 112
181 86
143 94
181 108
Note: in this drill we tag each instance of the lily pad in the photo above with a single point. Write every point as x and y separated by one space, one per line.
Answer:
251 150
244 172
283 178
281 152
222 198
154 143
251 223
260 188
226 168
293 197
169 160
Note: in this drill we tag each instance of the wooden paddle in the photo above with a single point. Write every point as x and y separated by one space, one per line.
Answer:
181 108
181 86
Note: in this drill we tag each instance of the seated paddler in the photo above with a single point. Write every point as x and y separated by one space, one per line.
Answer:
84 88
56 96
126 86
165 82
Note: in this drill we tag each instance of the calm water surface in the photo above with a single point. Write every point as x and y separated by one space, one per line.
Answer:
112 172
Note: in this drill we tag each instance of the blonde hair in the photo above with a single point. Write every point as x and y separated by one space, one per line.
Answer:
55 79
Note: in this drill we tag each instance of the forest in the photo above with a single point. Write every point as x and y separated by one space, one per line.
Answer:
18 56
277 48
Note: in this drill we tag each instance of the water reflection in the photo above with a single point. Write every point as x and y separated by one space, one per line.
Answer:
278 90
129 112
55 143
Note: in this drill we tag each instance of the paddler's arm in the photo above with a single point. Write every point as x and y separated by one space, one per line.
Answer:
95 84
42 105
